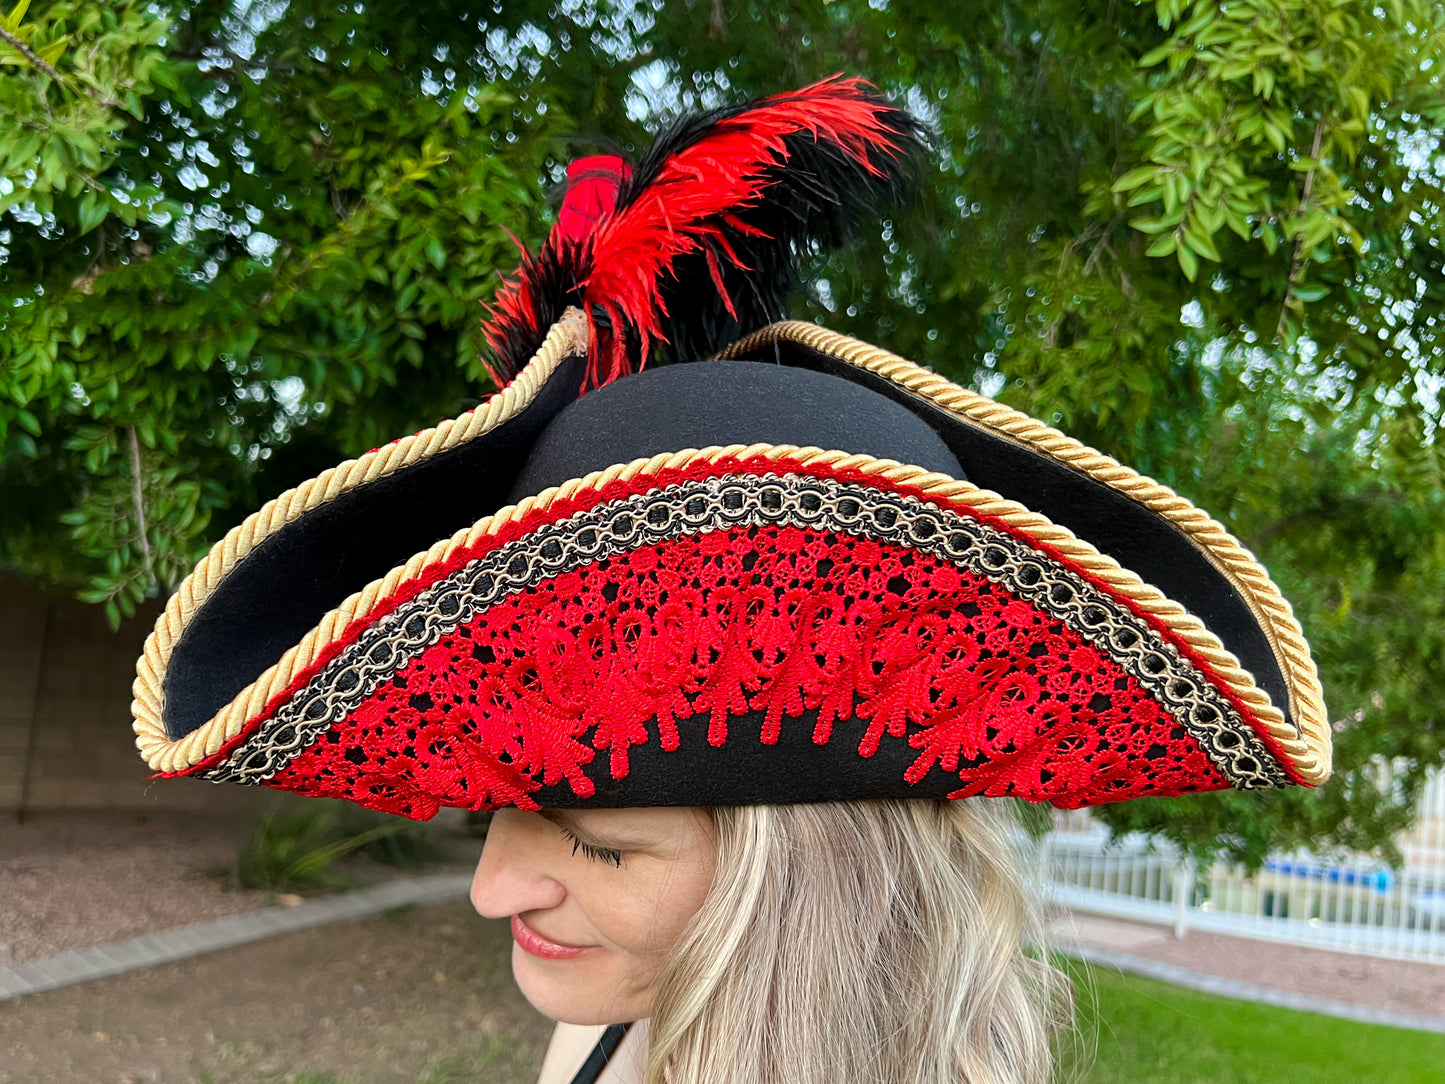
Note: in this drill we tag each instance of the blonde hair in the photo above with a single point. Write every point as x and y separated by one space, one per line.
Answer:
877 942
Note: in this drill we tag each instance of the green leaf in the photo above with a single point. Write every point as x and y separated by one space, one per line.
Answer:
1146 224
1275 135
1156 56
1359 100
93 211
1163 245
1188 262
17 13
52 53
1136 177
1201 242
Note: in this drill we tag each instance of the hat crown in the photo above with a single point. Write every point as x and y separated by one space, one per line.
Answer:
719 403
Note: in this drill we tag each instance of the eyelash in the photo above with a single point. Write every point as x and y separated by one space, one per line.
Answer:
592 853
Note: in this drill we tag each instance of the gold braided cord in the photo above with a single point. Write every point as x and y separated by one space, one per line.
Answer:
567 337
1309 746
167 756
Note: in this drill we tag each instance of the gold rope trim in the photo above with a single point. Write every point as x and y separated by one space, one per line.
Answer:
1309 746
164 755
567 337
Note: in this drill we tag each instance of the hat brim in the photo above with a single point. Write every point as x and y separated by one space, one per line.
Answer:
269 730
1147 527
279 586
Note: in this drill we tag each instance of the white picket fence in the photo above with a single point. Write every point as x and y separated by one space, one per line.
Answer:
1345 902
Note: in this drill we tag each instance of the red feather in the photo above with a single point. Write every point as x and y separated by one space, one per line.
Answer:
697 205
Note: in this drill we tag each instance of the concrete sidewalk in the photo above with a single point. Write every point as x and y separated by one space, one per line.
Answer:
1369 989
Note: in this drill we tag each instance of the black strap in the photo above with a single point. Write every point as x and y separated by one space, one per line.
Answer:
601 1054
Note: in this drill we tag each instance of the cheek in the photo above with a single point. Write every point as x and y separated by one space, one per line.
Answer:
647 919
642 930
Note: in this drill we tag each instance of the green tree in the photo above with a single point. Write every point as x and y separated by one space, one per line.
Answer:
233 253
1202 235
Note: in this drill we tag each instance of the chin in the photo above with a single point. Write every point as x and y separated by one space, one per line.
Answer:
571 998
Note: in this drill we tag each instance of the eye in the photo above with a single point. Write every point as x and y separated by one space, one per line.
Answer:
591 852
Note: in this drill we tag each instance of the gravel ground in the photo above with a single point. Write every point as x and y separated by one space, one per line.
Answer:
70 880
417 996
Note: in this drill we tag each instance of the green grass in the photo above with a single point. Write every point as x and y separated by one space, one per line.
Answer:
297 850
1138 1031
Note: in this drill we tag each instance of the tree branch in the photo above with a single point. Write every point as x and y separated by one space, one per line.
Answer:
140 512
41 66
1103 246
717 27
29 55
1297 263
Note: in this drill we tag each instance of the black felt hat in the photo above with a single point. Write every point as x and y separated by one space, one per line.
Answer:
797 568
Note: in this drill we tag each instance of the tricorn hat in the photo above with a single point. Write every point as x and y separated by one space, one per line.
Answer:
787 567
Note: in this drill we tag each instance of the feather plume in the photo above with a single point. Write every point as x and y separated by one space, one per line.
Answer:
700 243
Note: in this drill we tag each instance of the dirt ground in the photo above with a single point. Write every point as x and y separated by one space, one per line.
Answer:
420 995
71 880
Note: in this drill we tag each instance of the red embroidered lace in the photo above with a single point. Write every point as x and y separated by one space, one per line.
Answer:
859 641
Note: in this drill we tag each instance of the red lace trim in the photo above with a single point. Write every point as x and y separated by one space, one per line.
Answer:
671 643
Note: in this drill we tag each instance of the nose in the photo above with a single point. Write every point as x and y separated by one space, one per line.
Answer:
509 879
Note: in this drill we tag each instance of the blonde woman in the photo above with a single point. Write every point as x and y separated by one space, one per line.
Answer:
870 941
737 647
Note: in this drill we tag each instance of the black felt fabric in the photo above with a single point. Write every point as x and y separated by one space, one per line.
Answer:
1137 538
288 583
723 402
744 771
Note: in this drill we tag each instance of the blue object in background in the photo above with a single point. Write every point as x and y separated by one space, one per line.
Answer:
1380 880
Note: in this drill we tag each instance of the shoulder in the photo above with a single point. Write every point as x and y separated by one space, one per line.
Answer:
570 1044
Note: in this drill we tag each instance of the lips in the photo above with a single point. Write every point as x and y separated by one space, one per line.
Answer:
535 944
